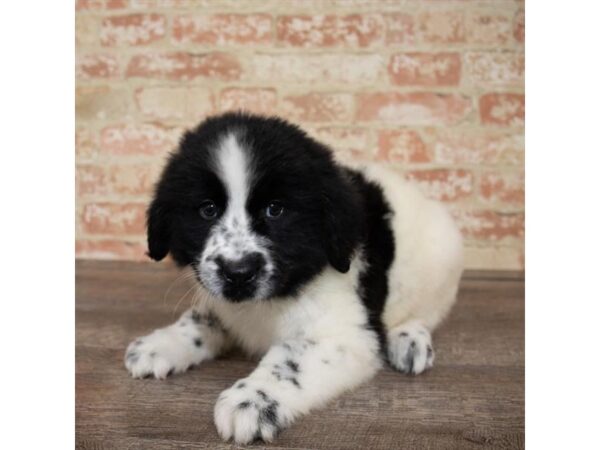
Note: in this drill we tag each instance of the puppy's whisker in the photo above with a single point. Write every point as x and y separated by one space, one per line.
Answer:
182 277
181 299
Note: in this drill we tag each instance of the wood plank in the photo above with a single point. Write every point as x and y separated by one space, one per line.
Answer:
473 397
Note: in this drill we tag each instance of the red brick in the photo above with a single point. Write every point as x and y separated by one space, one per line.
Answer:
519 26
222 29
502 109
496 187
488 28
114 218
86 144
191 104
139 139
456 146
181 66
96 66
117 4
257 100
442 27
132 29
400 29
348 143
318 107
355 30
495 69
425 69
403 146
491 225
317 68
419 108
113 179
110 249
443 184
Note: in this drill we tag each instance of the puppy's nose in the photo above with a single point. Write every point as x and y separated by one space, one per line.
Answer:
242 271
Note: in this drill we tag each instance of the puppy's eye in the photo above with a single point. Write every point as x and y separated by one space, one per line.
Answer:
208 210
274 210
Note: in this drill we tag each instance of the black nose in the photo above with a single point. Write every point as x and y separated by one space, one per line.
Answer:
241 271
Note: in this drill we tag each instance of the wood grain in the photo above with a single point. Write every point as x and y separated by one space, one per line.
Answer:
472 398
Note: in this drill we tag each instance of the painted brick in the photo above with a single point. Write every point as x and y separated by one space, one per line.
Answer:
86 144
87 30
318 107
488 28
348 143
182 66
443 184
502 109
116 179
95 5
400 29
101 102
402 146
163 102
117 218
456 146
222 29
419 108
248 99
317 68
498 187
495 69
490 225
425 69
139 139
206 5
442 27
96 66
132 29
111 249
90 179
354 30
519 26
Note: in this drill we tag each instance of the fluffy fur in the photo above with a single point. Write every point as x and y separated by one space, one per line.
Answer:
324 271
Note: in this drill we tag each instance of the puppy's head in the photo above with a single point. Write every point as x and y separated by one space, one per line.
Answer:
254 206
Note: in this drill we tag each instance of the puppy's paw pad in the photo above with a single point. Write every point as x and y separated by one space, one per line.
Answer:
410 349
160 354
247 412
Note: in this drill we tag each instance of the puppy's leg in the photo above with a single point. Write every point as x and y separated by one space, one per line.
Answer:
291 379
195 337
409 348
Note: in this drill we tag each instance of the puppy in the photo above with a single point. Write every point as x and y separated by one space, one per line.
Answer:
324 271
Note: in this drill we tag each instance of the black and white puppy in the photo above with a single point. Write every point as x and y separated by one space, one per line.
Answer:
324 271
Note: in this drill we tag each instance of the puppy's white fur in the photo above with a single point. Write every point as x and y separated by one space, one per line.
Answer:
317 345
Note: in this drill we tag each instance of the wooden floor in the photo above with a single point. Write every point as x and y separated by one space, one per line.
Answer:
472 398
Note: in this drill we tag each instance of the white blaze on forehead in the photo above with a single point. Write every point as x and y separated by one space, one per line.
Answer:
234 171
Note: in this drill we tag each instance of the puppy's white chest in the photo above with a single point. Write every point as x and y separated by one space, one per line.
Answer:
257 325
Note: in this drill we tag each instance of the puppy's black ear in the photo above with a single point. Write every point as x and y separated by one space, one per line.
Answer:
159 234
342 221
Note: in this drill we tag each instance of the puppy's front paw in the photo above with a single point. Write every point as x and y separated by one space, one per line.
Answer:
409 348
248 411
164 352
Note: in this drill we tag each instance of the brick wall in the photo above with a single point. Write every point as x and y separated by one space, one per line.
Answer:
433 88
